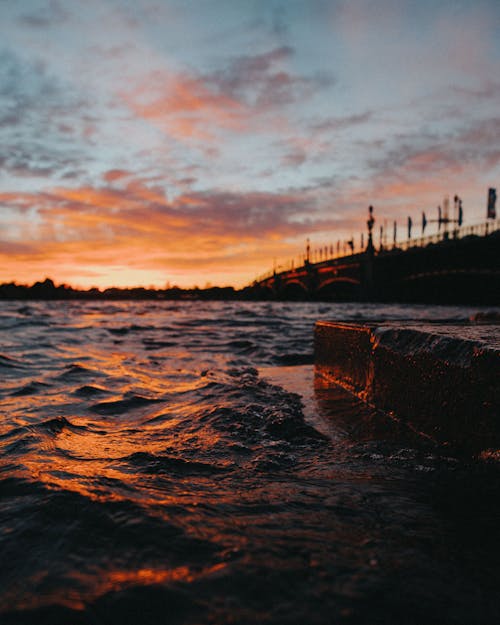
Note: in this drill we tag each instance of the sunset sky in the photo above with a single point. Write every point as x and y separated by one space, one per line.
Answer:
195 141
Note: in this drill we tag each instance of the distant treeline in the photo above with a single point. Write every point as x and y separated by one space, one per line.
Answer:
47 290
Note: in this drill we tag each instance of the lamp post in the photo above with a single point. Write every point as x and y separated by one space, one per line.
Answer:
370 223
367 275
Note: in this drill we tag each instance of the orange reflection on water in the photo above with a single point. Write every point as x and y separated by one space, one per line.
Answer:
91 587
96 458
121 578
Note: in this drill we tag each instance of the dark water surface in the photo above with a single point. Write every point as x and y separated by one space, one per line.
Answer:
156 467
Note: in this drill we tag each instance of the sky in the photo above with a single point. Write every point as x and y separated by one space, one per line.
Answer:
197 142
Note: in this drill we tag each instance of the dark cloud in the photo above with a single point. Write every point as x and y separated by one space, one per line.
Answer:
243 213
488 91
482 134
279 21
45 17
187 181
420 154
263 81
37 120
35 21
294 158
73 174
10 119
25 156
341 123
29 170
253 68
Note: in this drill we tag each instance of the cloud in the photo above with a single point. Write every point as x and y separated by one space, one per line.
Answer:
334 124
420 156
25 169
263 81
18 249
37 120
247 70
191 106
10 119
279 22
105 109
490 90
294 158
482 134
51 14
134 226
187 181
115 174
184 106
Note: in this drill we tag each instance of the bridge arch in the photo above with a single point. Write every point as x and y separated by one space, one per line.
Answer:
294 290
339 289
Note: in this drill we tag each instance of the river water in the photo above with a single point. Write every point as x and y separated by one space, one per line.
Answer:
172 463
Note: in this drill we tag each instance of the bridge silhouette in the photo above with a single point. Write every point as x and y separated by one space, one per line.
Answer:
460 266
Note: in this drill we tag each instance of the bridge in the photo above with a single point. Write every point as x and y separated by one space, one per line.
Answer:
461 266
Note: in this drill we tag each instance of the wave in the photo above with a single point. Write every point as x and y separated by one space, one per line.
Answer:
153 344
123 405
77 371
8 362
32 388
90 390
56 425
159 463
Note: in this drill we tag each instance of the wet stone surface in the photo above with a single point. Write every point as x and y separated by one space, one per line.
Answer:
441 378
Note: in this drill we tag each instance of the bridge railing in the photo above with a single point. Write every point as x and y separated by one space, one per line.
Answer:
317 255
330 252
481 230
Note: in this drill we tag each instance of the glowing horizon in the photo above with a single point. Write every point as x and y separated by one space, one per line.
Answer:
130 158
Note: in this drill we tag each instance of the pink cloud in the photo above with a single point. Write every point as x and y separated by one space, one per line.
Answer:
115 174
185 107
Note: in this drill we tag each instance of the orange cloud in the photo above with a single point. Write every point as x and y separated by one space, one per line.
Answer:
115 174
135 236
185 107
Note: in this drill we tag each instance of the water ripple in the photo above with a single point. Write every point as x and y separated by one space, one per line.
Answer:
150 473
